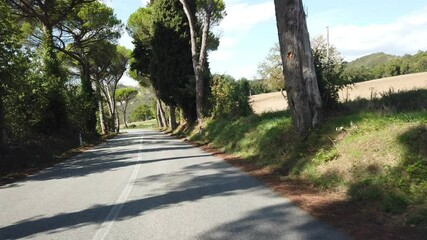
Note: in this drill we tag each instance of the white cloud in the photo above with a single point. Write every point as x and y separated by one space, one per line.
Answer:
248 71
405 35
240 19
221 55
243 16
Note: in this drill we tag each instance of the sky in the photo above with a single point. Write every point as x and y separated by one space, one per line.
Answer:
357 28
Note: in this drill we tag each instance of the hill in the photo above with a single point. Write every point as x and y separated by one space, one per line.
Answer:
371 60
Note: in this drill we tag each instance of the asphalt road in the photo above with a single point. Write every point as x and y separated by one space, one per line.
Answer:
146 185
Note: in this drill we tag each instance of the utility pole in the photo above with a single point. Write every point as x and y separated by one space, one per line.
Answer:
327 43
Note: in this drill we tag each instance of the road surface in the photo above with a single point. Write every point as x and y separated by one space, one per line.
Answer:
146 185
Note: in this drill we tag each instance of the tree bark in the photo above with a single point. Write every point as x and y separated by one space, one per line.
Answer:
172 117
161 114
124 115
118 123
100 108
159 122
88 98
298 65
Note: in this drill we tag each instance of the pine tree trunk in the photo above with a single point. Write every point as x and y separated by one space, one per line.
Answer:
172 117
298 66
161 115
159 122
124 117
117 122
56 110
89 98
100 108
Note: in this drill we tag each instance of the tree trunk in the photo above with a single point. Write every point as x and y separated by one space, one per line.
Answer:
124 115
89 98
56 111
161 114
118 123
298 66
100 108
172 117
159 122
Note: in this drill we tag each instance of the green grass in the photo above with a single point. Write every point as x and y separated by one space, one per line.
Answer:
375 151
149 124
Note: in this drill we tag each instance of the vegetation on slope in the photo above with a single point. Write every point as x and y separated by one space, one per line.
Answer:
371 60
376 151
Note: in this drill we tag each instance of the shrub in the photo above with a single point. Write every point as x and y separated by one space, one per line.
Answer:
229 97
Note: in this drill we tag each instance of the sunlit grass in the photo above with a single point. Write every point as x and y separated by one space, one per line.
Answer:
375 151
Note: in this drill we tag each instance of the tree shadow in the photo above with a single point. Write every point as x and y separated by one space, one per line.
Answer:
120 152
274 222
224 182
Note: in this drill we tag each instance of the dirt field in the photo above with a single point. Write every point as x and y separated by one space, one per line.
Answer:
269 102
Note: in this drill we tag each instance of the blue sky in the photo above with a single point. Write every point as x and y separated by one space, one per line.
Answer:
357 28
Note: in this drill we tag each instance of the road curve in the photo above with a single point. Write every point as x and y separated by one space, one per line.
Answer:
147 185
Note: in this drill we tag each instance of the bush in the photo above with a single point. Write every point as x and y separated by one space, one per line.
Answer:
229 98
142 113
329 72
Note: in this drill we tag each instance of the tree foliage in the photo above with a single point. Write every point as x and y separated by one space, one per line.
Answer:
329 71
271 70
84 29
124 97
44 48
171 67
229 98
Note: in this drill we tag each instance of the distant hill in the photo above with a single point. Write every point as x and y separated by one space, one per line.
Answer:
371 60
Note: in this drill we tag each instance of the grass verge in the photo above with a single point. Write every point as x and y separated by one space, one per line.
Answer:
374 151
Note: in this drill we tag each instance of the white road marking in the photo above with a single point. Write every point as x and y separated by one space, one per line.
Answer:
112 215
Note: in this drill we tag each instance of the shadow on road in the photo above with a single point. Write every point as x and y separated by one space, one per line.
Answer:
119 152
218 184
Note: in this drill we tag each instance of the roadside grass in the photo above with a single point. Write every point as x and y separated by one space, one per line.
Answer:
376 150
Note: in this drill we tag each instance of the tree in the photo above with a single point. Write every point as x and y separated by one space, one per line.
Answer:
271 70
229 98
162 54
124 96
209 13
298 66
329 71
108 64
142 113
46 15
140 26
9 57
78 35
171 65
